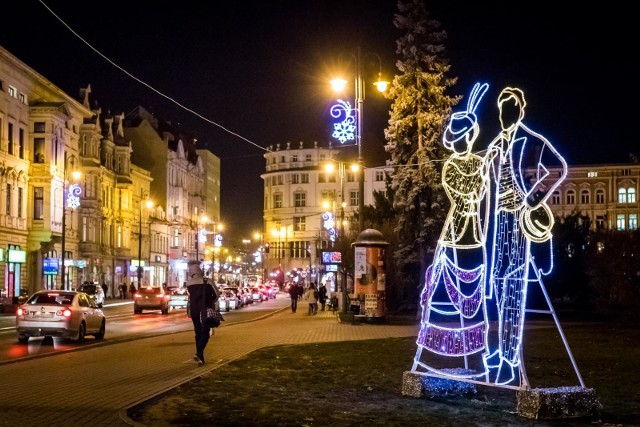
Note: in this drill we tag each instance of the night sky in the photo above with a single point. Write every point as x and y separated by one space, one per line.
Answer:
261 72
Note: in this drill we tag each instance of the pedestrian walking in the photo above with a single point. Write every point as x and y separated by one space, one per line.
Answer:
105 289
300 290
123 291
312 296
293 294
322 295
132 289
201 295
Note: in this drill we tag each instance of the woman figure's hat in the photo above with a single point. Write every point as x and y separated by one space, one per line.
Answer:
194 273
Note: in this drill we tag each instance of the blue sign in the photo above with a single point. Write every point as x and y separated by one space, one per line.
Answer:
50 266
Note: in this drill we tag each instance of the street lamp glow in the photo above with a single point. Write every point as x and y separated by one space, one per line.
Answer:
338 84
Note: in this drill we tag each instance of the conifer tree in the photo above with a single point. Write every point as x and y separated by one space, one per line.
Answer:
419 111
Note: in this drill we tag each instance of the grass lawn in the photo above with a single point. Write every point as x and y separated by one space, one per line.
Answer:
359 383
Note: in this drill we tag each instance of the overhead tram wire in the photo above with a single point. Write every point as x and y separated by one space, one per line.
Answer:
148 85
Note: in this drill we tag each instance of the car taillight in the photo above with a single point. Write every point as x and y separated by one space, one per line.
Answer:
66 312
166 296
136 295
21 311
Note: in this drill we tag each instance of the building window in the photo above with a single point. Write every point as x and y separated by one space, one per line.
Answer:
351 176
600 222
379 176
622 195
304 178
620 222
328 195
8 199
23 98
626 172
584 197
295 178
280 180
353 198
38 203
19 202
631 195
300 199
322 177
308 157
571 197
12 91
277 200
600 197
592 174
282 159
633 221
299 223
38 150
38 127
10 136
21 143
555 198
294 157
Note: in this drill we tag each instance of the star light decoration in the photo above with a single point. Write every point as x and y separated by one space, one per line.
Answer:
344 129
329 224
73 196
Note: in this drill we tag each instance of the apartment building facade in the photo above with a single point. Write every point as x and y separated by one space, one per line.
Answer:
307 205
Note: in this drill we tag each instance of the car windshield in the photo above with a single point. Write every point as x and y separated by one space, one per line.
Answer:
51 298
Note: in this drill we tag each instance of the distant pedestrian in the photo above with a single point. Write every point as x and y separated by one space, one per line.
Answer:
312 296
322 295
123 291
132 289
105 289
201 295
300 290
293 294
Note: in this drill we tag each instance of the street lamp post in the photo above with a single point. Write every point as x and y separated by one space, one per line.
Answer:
71 198
345 130
216 245
140 269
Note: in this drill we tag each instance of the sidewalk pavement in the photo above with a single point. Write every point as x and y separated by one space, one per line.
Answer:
105 382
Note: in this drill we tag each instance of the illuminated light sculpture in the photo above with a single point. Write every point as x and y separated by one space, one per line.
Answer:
454 322
518 198
476 275
329 224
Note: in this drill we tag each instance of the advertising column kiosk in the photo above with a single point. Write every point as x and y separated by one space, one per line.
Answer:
369 288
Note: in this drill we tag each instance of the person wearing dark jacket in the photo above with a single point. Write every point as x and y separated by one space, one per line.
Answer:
201 295
322 295
293 293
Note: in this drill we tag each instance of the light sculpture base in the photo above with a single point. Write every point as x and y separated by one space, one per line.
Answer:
417 385
556 403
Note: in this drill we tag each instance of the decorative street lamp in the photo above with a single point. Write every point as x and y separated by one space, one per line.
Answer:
345 130
201 236
217 243
149 203
71 199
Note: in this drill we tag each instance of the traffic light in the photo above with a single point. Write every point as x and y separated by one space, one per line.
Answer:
266 248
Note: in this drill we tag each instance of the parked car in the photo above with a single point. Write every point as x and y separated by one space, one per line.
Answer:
94 291
240 295
228 301
257 294
57 313
151 298
178 298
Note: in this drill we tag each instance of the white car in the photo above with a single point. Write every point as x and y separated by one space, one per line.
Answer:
58 313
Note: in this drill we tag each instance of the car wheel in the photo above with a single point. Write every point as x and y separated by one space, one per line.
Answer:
100 334
137 311
165 311
82 330
23 339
